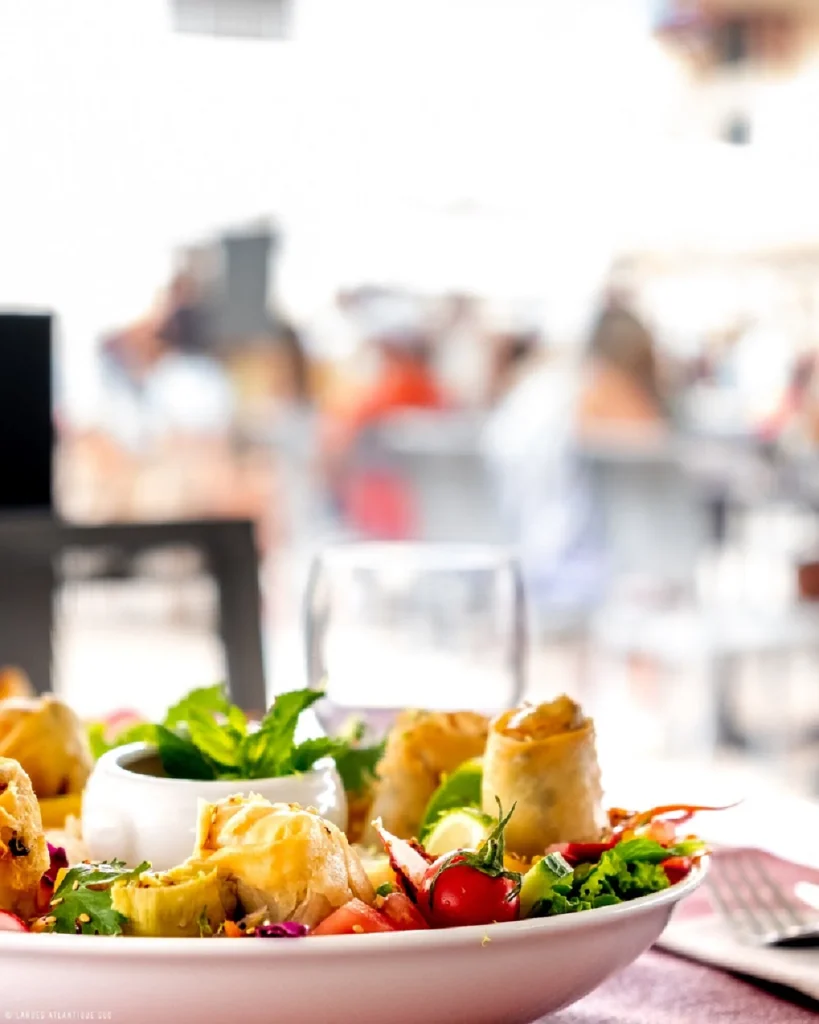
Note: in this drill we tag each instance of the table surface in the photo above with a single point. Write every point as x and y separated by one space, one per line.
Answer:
664 989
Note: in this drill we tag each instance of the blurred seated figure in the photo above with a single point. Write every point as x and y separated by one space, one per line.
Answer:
545 498
515 346
404 380
160 377
621 389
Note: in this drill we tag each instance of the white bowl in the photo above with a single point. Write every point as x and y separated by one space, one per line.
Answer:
502 974
135 817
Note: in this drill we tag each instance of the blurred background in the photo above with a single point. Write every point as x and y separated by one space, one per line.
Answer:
505 273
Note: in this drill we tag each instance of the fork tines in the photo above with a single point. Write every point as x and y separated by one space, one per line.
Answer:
755 907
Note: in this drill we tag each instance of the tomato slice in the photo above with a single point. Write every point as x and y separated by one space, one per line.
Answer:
354 918
676 868
580 853
402 913
11 922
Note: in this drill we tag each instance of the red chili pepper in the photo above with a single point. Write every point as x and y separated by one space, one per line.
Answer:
682 812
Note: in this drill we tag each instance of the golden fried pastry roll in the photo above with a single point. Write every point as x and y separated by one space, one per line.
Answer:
23 849
284 859
543 759
49 741
422 747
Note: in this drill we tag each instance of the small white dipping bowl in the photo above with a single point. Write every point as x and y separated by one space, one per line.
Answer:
135 816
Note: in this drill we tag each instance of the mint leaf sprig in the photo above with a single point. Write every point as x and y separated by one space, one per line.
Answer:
204 737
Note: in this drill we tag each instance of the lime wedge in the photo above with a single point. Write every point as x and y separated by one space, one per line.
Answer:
462 829
461 789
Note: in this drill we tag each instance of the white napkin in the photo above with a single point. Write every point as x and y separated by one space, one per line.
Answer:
710 941
705 936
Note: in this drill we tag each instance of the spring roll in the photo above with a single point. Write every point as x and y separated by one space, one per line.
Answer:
422 747
543 759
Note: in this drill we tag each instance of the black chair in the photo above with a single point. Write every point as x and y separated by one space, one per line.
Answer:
34 542
32 555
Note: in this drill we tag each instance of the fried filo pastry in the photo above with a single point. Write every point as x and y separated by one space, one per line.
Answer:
23 849
543 759
284 859
422 747
48 739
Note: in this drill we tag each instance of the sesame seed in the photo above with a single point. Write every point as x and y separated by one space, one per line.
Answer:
358 929
84 919
56 902
51 920
75 886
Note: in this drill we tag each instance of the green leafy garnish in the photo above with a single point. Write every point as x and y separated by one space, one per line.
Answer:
385 889
552 887
82 902
642 849
205 928
356 766
204 737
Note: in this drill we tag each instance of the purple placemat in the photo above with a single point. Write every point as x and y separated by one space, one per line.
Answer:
663 989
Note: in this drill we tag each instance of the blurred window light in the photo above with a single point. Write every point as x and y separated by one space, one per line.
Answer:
244 19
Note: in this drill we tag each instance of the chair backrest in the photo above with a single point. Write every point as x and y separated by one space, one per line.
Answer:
654 517
31 549
26 426
438 459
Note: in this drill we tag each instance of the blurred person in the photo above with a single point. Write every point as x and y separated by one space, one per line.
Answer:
463 356
795 420
188 390
404 377
545 497
621 389
514 352
404 380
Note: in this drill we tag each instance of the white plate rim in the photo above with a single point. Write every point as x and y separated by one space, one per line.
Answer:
351 945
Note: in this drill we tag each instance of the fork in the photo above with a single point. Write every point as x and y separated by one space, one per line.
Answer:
755 907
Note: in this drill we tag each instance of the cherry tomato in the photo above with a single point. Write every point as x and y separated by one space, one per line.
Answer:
402 913
456 893
354 918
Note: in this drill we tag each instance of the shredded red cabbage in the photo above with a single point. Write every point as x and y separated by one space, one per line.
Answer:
285 930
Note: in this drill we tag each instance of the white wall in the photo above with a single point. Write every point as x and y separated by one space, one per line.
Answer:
123 140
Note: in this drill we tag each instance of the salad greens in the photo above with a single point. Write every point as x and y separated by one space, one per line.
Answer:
204 737
82 902
624 872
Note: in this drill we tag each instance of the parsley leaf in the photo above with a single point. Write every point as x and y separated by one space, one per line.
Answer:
82 902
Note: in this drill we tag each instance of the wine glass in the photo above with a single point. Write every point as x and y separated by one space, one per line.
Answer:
394 625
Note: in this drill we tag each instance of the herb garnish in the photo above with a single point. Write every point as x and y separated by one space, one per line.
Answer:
204 737
82 902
